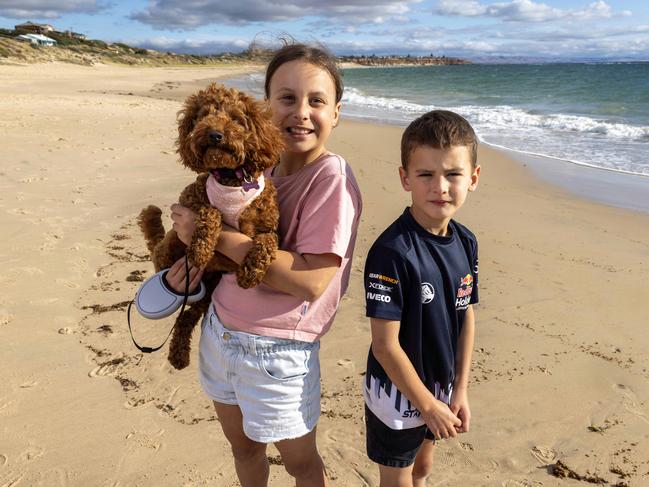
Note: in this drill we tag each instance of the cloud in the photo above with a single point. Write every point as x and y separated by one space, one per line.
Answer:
524 11
187 14
45 9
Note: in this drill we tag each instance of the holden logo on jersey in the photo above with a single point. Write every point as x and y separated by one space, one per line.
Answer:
427 293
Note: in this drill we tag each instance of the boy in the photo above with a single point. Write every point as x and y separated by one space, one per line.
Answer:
421 278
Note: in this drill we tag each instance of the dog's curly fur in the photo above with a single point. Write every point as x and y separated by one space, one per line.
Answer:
245 135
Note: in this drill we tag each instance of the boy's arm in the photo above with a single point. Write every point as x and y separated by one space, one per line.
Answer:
387 350
460 399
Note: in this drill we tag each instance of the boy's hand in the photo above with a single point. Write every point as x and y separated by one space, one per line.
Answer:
460 407
176 276
441 421
184 222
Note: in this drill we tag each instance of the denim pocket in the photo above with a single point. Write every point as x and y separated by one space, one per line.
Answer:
286 364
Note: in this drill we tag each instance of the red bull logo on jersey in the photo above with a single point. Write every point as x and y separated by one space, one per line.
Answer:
464 292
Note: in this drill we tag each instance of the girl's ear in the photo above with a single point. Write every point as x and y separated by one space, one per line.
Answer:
336 114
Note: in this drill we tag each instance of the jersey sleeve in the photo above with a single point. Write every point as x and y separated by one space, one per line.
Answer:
385 280
327 218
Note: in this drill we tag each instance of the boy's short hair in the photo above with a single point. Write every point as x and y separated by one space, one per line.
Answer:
439 129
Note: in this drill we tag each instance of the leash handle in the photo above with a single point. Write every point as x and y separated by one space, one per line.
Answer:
182 309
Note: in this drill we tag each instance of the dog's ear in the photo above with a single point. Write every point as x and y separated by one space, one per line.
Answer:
267 143
186 118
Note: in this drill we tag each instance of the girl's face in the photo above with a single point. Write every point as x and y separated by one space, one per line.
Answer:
302 97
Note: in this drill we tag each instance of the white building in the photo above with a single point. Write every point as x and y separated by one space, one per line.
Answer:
38 39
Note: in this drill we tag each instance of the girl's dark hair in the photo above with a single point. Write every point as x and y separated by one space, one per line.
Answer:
318 56
439 129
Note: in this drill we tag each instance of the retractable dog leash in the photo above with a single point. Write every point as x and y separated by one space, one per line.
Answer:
182 309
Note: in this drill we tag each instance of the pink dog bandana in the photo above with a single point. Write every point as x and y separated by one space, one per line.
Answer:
231 200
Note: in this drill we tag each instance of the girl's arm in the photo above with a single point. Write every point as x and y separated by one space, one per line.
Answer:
460 398
305 276
387 350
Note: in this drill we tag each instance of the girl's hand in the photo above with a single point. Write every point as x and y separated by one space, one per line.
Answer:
176 276
184 222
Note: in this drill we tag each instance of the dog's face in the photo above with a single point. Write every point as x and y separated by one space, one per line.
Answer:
223 128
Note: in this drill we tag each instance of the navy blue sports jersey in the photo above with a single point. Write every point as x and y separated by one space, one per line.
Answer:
426 282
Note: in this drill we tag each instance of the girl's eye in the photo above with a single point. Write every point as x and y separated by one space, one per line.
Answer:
455 174
317 101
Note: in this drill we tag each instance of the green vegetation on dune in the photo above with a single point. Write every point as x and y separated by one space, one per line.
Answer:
92 51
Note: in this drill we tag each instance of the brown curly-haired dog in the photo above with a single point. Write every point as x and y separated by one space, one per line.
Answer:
228 137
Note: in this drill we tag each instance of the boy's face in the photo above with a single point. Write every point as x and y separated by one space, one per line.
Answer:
439 180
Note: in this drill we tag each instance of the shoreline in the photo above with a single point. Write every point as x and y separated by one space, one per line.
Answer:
87 148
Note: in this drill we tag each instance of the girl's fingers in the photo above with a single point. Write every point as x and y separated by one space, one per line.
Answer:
196 280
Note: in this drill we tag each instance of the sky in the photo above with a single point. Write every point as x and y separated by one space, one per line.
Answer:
472 29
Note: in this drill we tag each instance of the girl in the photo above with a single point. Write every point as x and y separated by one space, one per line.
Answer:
259 347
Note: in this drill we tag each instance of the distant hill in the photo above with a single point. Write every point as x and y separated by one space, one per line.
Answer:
88 52
374 60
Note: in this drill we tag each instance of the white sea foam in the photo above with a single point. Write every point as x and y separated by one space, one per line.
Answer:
576 139
507 116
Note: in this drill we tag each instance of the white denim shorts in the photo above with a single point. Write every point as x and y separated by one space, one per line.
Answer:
274 381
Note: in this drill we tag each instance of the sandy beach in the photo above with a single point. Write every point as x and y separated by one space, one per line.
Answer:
560 378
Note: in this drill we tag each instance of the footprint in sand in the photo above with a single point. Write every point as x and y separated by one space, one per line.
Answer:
4 459
103 371
345 363
630 401
545 455
146 441
455 458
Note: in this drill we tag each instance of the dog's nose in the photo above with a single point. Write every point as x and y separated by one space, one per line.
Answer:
215 137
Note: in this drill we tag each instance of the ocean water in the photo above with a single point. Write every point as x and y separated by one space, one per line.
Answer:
593 116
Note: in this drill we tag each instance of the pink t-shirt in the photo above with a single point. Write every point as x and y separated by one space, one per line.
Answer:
319 208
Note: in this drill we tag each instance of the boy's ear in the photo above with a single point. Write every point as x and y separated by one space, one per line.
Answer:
403 176
475 176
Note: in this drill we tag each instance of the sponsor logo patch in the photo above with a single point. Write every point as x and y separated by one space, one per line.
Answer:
379 297
464 292
379 287
381 277
427 293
